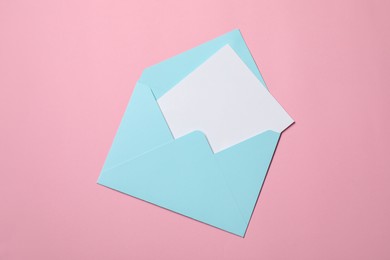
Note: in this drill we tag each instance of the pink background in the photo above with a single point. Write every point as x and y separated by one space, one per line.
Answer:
67 69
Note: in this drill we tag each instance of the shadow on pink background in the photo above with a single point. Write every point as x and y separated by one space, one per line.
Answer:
67 70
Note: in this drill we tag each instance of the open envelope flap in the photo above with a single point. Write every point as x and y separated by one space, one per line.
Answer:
182 176
163 76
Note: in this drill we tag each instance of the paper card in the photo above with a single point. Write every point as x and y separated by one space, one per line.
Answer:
223 99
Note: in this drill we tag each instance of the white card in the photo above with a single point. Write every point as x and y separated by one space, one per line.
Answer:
223 99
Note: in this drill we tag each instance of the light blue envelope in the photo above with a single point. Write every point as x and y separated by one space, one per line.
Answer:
184 175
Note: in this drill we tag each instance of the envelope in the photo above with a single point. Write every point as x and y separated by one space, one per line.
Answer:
169 153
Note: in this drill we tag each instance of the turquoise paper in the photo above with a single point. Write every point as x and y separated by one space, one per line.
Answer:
184 175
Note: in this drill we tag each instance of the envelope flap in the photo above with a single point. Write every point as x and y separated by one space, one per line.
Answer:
163 76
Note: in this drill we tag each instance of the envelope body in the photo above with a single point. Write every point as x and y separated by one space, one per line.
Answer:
184 175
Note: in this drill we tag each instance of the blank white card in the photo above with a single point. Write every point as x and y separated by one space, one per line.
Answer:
223 99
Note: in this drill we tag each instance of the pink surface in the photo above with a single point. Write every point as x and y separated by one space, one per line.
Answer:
67 69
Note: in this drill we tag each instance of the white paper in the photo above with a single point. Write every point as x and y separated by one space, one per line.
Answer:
223 99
